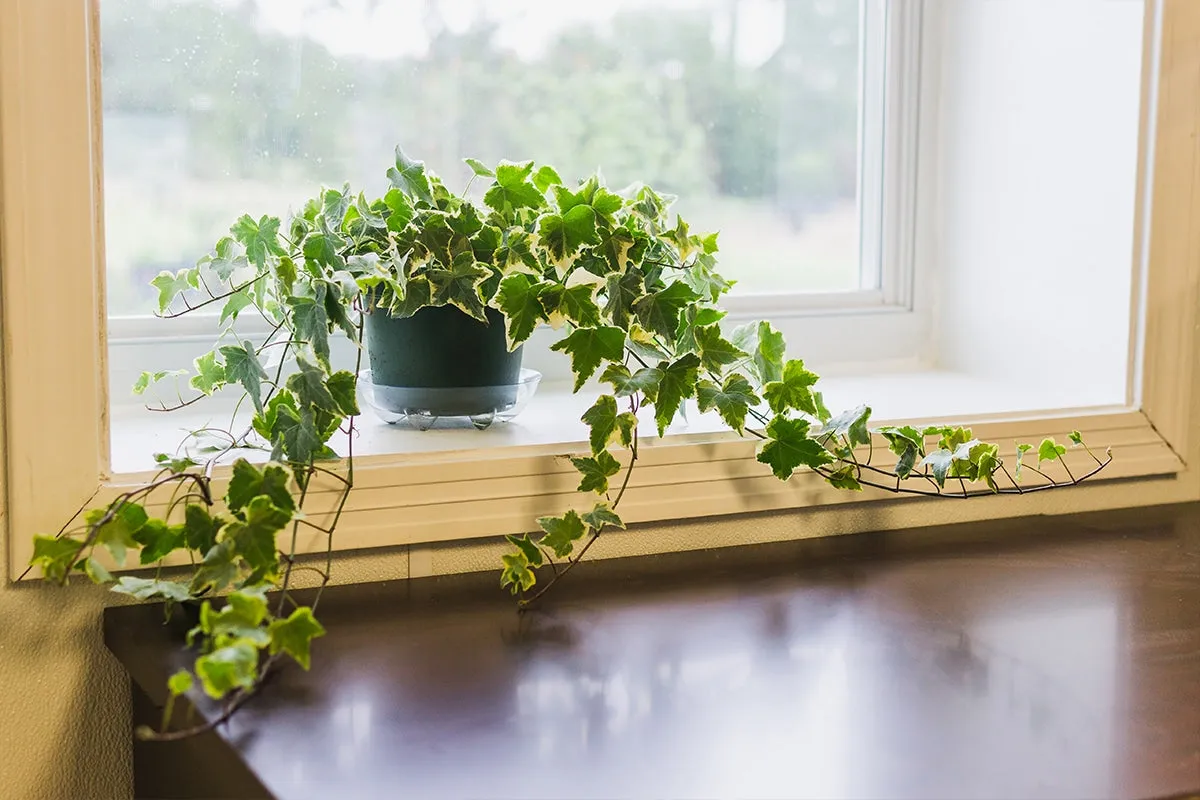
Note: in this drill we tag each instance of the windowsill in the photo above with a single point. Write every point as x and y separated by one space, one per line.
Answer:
552 417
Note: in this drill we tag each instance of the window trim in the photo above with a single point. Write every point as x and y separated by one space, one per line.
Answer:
54 365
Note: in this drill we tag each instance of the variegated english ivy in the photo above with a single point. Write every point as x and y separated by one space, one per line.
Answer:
637 298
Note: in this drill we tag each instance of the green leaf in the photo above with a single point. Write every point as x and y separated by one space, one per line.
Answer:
516 572
145 380
596 471
371 216
518 301
769 354
732 400
546 177
515 251
200 528
906 442
715 351
117 534
334 205
242 366
459 285
294 635
952 438
210 374
941 461
986 458
171 285
693 317
606 203
622 291
309 386
248 482
578 304
55 555
532 553
902 438
400 210
150 589
322 249
180 683
234 666
659 311
851 424
646 380
343 387
627 423
236 303
255 538
218 570
298 437
409 177
158 540
260 239
562 532
285 273
644 344
678 383
479 168
1050 450
1022 449
601 420
1076 438
844 478
311 325
563 235
705 281
602 514
789 447
823 413
512 189
794 390
615 247
417 294
588 347
96 571
226 258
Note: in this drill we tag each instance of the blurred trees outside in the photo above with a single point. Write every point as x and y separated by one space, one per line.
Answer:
206 104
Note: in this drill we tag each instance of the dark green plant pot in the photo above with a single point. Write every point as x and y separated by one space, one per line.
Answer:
441 362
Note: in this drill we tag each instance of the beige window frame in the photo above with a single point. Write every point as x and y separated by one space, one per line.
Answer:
55 397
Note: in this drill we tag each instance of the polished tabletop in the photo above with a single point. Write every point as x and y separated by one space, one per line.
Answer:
1036 658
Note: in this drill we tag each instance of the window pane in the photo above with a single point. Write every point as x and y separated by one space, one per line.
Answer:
748 109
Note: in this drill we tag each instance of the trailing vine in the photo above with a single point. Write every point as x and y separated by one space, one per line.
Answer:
637 295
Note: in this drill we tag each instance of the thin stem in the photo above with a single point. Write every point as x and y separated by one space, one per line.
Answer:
123 500
164 408
230 709
189 308
1068 469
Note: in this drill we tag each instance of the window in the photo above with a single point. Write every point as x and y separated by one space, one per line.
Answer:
768 118
56 398
749 110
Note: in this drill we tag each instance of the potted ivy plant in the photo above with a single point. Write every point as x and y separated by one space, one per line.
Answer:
637 297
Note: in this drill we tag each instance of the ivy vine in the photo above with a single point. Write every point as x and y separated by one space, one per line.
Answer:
634 291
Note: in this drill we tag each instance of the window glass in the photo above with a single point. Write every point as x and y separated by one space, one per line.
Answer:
747 109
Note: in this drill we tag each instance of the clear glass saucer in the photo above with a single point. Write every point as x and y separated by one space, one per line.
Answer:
423 408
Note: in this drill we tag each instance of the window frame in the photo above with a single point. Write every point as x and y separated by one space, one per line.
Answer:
55 389
876 325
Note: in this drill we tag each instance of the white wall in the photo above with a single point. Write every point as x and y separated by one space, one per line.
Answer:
1033 189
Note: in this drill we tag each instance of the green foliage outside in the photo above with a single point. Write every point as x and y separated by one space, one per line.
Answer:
766 152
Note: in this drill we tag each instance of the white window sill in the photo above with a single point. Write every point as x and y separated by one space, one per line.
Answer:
463 486
551 421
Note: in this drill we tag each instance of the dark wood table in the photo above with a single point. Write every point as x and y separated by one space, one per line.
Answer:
1034 658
